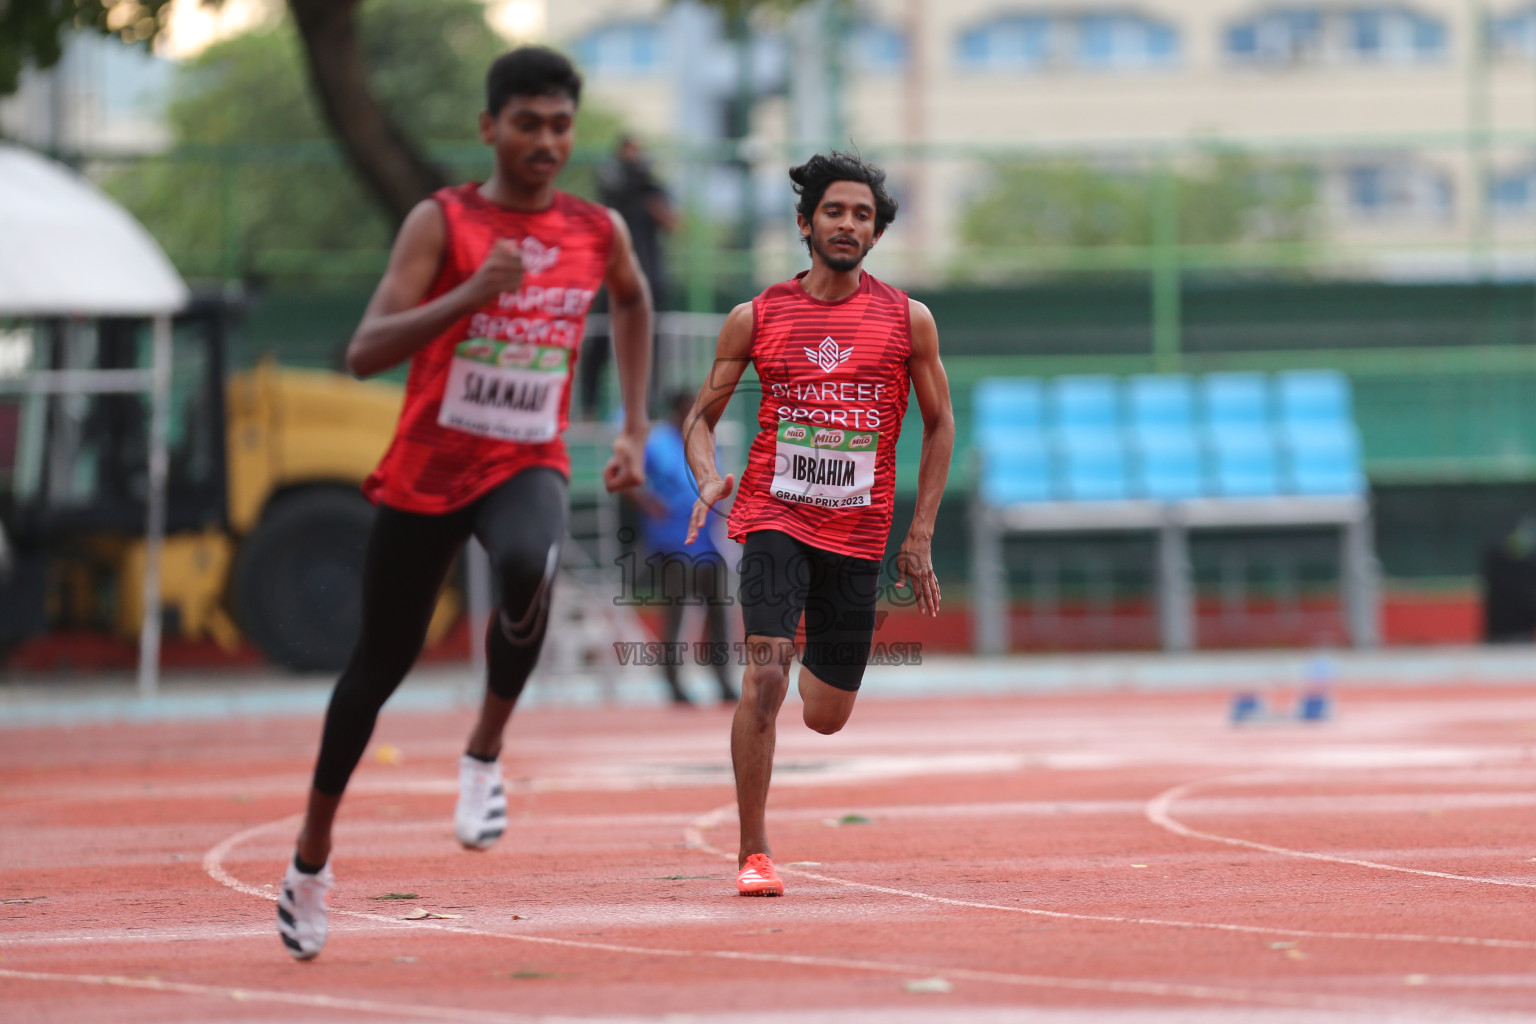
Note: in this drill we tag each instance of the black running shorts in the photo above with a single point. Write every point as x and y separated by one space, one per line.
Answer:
783 578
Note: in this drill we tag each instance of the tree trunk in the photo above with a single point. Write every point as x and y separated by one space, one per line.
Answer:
394 169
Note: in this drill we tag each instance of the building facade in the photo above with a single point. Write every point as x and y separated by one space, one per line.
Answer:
1418 118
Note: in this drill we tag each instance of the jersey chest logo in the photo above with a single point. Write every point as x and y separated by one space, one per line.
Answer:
828 356
538 257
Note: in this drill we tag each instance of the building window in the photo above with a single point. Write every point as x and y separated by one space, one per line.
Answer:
1394 35
1513 34
1365 35
877 47
1396 191
1019 42
1278 37
1095 41
1513 192
1121 41
624 49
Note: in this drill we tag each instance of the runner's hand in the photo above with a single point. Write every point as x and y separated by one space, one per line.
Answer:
914 568
712 492
627 467
500 271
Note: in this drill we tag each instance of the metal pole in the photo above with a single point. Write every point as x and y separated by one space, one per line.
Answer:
836 28
989 581
154 529
1479 120
915 132
1175 591
229 248
1166 311
1361 583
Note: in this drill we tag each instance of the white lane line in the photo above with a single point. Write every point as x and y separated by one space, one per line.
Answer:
205 933
213 864
1158 813
694 836
257 995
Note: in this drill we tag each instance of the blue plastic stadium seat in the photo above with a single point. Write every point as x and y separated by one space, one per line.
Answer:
1016 471
1244 462
1239 435
1092 464
1086 434
1168 466
1008 406
1161 401
1235 399
1167 461
1086 402
1313 396
1008 430
1317 428
1323 459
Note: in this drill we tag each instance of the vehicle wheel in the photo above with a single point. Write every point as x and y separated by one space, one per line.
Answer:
298 582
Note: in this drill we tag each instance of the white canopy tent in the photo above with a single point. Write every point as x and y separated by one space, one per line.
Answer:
67 250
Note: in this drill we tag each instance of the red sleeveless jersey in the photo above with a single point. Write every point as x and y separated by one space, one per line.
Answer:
834 386
490 396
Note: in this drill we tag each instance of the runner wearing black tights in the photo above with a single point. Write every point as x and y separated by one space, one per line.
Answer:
486 294
521 525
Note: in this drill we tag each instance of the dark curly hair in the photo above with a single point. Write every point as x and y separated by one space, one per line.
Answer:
530 71
812 178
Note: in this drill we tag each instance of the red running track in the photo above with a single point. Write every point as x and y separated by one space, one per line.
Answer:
1084 859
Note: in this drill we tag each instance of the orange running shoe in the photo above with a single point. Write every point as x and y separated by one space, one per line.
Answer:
758 878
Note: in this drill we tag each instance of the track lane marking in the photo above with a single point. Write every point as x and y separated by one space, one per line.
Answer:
1158 812
213 864
257 995
693 836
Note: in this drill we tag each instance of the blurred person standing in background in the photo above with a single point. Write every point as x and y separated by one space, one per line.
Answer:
627 184
683 575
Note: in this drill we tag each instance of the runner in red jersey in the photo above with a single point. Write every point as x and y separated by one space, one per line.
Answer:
836 352
486 293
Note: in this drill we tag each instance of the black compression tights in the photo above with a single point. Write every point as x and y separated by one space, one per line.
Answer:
522 525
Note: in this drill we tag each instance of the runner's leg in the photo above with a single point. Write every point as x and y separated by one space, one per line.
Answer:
522 525
711 573
839 627
774 580
408 556
675 569
754 735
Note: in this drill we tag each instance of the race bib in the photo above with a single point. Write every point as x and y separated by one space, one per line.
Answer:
829 467
507 390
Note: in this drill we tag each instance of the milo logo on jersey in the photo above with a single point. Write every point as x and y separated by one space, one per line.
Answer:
507 391
825 468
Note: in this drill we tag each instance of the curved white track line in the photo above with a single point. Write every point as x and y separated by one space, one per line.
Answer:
213 864
1158 813
693 836
256 995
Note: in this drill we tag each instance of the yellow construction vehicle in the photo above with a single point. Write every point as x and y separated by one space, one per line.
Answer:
266 526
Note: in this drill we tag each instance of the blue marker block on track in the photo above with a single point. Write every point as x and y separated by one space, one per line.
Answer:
1315 707
1247 707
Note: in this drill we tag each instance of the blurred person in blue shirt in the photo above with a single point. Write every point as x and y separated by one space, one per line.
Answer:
682 575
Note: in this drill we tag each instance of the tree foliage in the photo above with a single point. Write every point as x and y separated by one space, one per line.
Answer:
32 31
1221 197
254 184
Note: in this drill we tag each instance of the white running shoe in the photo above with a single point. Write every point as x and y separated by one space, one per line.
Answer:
481 815
301 911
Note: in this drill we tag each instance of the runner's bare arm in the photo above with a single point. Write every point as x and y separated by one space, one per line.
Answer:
732 353
914 562
629 306
396 323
